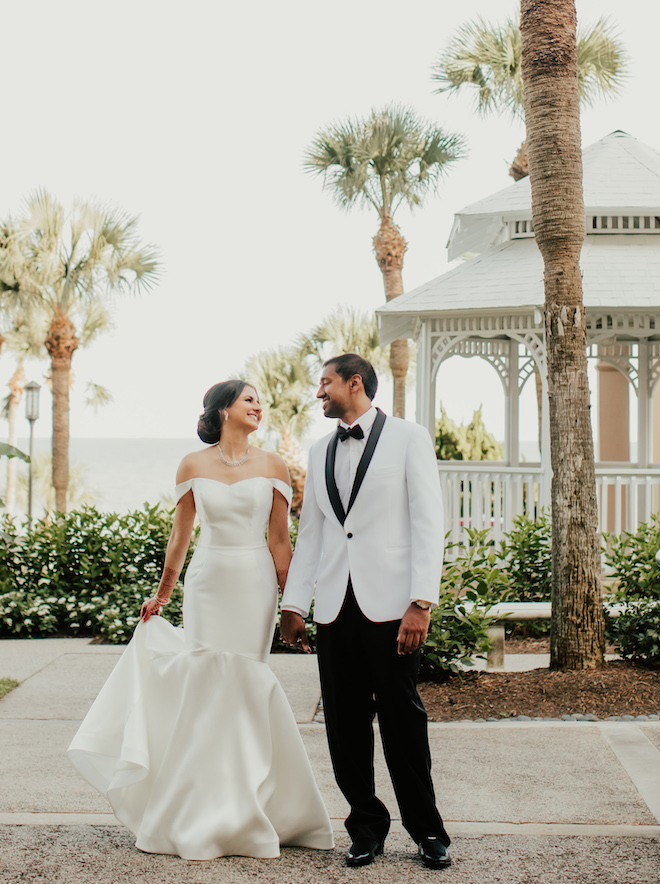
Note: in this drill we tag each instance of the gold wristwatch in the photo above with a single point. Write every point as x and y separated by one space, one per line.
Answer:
421 603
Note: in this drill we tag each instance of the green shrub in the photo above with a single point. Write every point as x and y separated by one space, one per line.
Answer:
527 556
636 631
458 631
87 573
456 636
83 573
632 560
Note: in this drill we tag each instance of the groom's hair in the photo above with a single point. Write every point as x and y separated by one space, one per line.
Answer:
349 364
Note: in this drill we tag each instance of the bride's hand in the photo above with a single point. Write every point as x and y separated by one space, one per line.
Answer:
149 607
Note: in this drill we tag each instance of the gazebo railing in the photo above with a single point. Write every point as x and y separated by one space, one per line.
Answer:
487 494
626 496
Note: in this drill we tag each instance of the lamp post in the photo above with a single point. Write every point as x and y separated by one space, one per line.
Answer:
32 391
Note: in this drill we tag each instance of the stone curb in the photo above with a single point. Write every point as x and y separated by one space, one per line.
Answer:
566 717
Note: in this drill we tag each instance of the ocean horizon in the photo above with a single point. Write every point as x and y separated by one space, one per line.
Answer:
121 475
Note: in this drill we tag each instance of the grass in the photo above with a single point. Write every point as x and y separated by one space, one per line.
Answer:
7 685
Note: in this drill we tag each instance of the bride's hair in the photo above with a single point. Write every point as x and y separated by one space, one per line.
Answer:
219 397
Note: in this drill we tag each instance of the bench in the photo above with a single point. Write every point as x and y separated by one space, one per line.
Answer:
514 611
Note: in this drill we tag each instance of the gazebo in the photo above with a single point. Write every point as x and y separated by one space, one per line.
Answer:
490 306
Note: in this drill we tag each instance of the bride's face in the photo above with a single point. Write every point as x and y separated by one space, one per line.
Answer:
246 411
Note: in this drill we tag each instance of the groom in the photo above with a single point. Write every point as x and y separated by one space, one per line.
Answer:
371 542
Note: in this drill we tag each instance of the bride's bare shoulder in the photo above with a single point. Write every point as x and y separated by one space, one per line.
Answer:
192 465
274 467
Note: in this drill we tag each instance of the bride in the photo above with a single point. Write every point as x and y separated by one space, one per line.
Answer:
191 738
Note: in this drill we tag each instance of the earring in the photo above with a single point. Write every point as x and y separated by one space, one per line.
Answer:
226 416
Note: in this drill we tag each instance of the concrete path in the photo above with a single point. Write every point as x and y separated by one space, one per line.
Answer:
557 802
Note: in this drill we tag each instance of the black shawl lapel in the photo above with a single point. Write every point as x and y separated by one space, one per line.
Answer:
365 460
330 483
367 454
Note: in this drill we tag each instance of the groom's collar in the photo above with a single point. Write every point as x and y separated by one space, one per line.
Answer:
366 420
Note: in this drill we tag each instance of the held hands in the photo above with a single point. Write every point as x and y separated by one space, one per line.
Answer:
413 630
293 632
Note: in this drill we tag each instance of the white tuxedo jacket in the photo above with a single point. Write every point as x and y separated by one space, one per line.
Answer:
392 540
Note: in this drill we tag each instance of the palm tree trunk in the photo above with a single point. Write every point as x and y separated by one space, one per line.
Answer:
61 343
292 453
390 248
16 386
555 163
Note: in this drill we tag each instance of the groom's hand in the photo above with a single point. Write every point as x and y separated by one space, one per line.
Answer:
413 630
293 632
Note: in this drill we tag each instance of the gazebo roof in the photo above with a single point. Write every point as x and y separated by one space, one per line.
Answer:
620 176
618 272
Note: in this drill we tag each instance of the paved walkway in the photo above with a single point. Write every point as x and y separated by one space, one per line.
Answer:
557 802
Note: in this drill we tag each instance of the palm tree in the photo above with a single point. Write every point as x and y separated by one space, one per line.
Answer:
388 159
348 331
552 112
286 390
488 59
25 339
69 264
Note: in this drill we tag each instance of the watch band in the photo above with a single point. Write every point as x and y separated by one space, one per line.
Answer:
421 603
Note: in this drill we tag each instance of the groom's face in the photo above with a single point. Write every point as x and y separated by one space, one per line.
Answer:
334 393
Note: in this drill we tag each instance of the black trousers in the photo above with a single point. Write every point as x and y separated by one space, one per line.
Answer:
361 675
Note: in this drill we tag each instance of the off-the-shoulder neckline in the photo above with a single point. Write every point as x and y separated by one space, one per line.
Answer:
237 482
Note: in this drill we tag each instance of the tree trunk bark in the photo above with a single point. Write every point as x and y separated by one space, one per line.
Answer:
292 453
61 343
16 385
390 248
549 69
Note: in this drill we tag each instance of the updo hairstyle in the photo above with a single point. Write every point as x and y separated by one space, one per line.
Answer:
219 397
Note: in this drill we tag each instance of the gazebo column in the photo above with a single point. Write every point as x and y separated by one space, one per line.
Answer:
644 405
613 431
644 420
655 398
425 405
544 442
613 414
512 415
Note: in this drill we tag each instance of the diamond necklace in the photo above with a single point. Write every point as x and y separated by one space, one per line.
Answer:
232 463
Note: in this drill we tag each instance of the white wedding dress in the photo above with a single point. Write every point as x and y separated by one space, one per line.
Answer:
192 738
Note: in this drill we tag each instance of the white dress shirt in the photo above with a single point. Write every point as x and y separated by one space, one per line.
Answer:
349 453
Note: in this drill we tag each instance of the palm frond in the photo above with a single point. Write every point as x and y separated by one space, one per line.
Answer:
94 319
602 62
285 387
7 450
26 332
346 330
391 156
487 58
97 396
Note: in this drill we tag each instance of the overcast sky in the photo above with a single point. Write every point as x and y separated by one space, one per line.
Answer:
195 116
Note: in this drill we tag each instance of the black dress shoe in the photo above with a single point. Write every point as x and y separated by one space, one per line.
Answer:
433 852
363 851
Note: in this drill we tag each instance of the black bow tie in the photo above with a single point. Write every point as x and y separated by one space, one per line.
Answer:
355 432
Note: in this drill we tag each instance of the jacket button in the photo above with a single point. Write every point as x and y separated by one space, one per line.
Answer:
349 535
